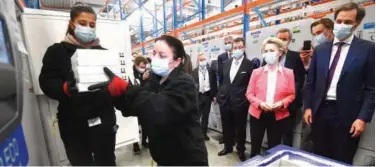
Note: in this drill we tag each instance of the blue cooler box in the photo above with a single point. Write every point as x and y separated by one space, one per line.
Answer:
287 156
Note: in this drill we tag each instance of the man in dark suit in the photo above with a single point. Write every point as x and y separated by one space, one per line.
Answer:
292 61
206 83
222 58
234 106
340 91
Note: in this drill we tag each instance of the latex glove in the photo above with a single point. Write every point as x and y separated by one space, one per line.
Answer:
70 87
277 105
265 107
308 116
115 86
357 127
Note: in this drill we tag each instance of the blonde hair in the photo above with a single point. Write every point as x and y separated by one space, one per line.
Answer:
199 55
277 42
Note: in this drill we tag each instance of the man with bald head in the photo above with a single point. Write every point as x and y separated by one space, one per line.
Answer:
206 84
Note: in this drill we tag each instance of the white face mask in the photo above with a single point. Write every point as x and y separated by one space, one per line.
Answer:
271 58
141 70
202 63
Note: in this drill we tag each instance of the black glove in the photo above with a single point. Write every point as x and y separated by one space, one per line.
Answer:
70 87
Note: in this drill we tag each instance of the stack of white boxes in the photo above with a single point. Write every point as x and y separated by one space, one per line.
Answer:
88 64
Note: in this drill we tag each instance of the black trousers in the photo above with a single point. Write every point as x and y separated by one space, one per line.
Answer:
89 146
234 126
274 130
204 109
288 135
331 138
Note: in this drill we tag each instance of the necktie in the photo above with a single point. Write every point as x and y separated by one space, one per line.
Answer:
334 64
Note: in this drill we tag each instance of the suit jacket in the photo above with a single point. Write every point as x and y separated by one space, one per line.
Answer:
234 93
294 63
212 80
284 91
356 85
221 59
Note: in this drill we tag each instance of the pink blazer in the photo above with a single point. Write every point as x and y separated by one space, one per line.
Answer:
284 91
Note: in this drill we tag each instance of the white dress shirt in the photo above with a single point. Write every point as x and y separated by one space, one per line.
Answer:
332 90
203 75
235 65
272 82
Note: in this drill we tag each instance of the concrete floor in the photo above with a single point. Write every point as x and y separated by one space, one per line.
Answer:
125 156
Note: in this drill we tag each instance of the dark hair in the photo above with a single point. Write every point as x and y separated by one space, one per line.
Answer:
140 59
327 23
175 44
239 39
360 12
283 30
148 59
76 10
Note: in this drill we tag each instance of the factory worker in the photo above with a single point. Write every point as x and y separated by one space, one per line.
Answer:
87 121
167 106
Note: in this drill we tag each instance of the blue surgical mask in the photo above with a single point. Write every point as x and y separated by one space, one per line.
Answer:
271 58
342 30
228 47
320 39
237 53
85 34
160 67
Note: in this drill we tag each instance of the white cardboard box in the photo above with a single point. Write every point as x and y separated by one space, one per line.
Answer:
95 57
87 70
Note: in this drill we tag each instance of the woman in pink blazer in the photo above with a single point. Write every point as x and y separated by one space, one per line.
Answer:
270 91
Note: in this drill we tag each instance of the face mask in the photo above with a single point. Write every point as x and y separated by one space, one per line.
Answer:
85 34
237 53
342 30
160 67
228 47
320 39
141 70
202 63
271 58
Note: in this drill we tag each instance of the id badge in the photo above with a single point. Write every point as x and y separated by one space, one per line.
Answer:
94 122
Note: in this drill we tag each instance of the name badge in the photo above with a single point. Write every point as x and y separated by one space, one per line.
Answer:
94 122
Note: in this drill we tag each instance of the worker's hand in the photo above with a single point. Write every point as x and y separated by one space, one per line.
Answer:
308 116
70 87
357 127
265 107
115 86
277 105
146 75
305 55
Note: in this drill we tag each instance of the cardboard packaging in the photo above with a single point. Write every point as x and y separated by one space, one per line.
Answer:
88 64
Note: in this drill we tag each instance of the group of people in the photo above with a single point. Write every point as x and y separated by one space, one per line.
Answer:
172 101
333 81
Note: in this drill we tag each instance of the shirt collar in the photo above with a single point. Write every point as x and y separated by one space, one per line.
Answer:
279 68
346 41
